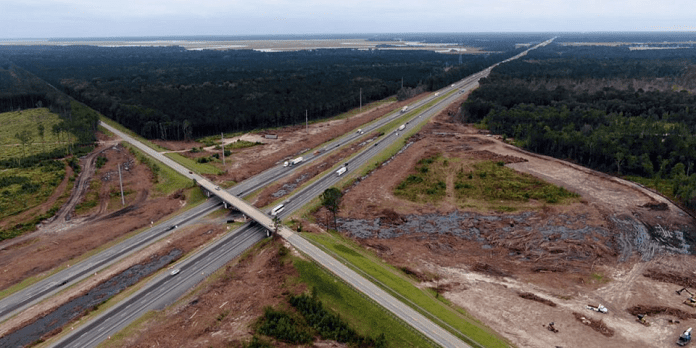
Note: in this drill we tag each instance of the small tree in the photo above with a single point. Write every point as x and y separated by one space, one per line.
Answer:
25 138
331 199
40 127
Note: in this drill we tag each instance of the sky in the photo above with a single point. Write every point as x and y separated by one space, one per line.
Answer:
124 18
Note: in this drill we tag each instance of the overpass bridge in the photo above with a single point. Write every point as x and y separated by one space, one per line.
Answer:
231 201
404 312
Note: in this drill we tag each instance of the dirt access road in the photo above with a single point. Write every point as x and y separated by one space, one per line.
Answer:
60 241
593 251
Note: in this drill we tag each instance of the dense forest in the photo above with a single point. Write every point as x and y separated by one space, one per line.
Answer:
173 93
545 104
20 89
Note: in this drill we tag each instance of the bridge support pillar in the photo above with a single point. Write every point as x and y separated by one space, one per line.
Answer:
224 204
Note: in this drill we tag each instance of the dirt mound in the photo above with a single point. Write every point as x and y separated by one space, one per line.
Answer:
486 155
533 297
420 276
655 310
381 248
673 278
654 205
389 216
597 325
488 269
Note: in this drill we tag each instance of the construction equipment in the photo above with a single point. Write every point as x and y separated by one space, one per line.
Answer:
685 289
691 301
641 319
551 327
684 338
600 308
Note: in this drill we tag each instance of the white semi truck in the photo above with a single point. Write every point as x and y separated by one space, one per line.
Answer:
340 171
401 127
293 162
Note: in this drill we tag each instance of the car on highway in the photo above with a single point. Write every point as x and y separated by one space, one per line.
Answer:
217 188
175 272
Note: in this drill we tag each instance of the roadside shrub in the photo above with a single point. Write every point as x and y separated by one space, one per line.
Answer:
101 161
284 327
330 326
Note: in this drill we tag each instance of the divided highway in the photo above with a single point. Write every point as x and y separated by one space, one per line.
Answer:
49 286
152 296
164 289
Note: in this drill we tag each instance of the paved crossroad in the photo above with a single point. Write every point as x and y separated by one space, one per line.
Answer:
208 259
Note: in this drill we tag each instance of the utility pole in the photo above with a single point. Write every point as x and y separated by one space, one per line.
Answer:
360 99
222 140
306 122
120 183
402 82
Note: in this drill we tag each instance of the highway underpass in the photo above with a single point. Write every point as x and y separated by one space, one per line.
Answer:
405 313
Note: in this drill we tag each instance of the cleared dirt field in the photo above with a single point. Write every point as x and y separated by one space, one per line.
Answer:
68 236
593 251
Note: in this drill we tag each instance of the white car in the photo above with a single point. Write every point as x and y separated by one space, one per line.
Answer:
175 272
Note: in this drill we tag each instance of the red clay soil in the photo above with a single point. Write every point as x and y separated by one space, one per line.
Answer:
221 313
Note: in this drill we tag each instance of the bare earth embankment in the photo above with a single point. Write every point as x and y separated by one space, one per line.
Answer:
593 250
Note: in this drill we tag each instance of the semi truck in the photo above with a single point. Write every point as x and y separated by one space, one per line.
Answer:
341 171
401 127
685 338
293 162
277 209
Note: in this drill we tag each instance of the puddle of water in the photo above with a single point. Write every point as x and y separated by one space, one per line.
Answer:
75 308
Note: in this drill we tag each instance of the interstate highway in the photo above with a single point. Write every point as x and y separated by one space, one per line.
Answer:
426 330
49 286
160 291
53 284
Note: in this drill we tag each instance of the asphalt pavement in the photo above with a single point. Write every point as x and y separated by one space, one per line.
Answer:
214 256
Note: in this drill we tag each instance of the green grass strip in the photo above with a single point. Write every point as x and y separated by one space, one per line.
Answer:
358 311
200 168
167 179
402 287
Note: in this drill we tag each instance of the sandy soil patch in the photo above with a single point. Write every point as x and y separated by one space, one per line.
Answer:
572 255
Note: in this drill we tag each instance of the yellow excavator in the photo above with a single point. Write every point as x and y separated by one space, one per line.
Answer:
689 301
641 319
